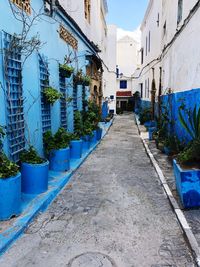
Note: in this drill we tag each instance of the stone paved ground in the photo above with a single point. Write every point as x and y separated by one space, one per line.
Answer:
113 213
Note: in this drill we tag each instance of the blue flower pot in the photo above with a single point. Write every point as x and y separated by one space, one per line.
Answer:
187 185
86 142
93 139
10 197
35 177
167 150
76 147
99 132
151 131
59 160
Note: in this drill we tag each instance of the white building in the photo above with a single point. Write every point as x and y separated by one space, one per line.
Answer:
170 45
127 63
151 29
90 15
110 82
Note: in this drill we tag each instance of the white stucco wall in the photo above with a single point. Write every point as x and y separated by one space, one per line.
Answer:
181 65
96 29
151 29
110 83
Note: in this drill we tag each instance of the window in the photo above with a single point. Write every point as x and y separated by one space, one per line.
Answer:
112 97
142 55
24 5
164 28
87 10
180 11
146 45
148 89
158 20
123 84
149 46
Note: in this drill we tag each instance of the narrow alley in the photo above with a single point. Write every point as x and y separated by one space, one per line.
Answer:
113 212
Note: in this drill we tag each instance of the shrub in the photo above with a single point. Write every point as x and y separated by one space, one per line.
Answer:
31 156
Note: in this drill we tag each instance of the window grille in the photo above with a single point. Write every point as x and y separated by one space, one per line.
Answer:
63 103
14 97
75 104
24 5
45 107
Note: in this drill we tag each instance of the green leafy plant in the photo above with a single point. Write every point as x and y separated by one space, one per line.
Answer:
78 77
145 115
86 80
51 95
7 168
2 134
78 123
66 70
191 153
31 156
58 141
193 125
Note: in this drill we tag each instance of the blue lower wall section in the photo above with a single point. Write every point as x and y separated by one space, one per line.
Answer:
145 104
173 102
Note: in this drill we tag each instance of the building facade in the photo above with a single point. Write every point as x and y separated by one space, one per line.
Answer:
36 37
127 63
169 39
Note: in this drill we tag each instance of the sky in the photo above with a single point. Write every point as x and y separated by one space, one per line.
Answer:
126 14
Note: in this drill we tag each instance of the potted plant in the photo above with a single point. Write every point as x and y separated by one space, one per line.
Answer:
65 70
76 146
78 77
10 186
99 132
86 80
34 171
58 151
51 95
187 163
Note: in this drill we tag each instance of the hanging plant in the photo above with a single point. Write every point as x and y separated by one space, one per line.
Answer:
87 80
78 77
65 70
51 95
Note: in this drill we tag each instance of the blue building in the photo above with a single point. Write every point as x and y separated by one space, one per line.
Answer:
36 37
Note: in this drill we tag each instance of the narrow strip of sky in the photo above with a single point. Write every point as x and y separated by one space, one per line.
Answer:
126 14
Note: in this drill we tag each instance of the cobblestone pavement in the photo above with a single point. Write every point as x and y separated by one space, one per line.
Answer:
113 213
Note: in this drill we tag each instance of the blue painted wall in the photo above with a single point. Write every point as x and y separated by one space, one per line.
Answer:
173 102
54 49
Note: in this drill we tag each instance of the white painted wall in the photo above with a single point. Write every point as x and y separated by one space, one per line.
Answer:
96 30
110 83
127 60
151 29
180 64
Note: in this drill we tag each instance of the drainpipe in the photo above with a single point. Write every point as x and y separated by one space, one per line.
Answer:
153 95
160 93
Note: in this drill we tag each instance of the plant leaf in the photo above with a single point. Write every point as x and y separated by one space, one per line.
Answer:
185 126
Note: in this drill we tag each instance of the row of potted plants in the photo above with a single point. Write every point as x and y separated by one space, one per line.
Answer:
79 78
32 175
184 154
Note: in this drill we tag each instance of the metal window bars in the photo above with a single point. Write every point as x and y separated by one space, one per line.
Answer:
14 96
63 103
44 82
